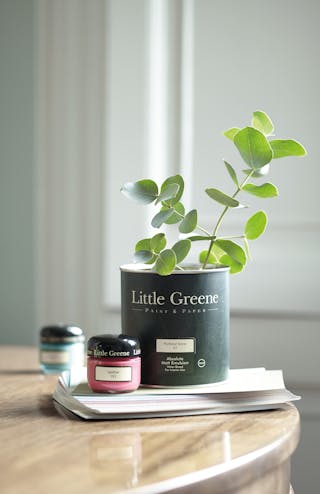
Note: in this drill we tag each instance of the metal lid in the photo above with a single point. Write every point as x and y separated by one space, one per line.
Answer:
194 269
113 346
61 333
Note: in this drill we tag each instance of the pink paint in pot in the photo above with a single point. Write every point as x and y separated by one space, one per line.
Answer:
114 363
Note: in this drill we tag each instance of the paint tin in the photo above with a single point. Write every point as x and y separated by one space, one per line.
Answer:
182 322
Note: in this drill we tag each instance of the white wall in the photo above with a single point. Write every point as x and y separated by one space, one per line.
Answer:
17 261
261 55
216 68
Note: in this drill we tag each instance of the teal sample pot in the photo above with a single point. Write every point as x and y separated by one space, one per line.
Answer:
181 321
61 348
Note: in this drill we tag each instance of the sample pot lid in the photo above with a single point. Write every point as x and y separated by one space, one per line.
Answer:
61 333
113 346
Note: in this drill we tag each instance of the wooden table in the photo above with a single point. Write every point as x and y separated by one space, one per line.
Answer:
45 452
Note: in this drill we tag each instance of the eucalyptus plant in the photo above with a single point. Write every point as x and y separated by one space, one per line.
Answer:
257 148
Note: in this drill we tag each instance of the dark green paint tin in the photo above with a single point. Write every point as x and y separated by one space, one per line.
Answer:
182 322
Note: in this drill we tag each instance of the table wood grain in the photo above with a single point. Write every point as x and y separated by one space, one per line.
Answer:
45 451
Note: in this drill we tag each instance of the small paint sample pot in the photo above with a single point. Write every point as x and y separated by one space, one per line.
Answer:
61 348
114 363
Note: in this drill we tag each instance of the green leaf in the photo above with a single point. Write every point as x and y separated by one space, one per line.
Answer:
222 198
262 122
286 147
233 250
166 262
143 191
265 190
143 256
168 192
189 222
144 244
258 173
177 215
212 259
161 217
255 225
253 147
216 252
181 249
158 242
230 133
175 179
232 173
235 267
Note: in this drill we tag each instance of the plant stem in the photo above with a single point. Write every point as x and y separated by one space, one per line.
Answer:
203 230
179 267
231 236
218 224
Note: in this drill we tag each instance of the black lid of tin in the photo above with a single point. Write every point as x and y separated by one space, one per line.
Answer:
113 346
61 333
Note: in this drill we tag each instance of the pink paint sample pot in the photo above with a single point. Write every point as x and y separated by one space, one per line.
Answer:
114 363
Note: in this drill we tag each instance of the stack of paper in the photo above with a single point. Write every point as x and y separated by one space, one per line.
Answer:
245 390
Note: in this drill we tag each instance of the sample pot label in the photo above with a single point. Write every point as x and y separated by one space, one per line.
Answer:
113 373
54 357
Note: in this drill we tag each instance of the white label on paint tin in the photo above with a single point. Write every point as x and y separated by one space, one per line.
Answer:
113 374
175 345
50 357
